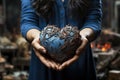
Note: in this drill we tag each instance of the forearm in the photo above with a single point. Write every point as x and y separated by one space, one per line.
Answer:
87 33
93 20
32 34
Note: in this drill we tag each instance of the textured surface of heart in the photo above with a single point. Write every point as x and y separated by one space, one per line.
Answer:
60 44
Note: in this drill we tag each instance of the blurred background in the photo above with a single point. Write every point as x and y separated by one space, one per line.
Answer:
15 51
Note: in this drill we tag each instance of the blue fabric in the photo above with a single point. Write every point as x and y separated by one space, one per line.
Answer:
82 69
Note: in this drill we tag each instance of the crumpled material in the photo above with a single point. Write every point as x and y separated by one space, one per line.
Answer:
61 44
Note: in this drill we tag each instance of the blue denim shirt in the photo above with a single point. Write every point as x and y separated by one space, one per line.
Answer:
30 20
84 67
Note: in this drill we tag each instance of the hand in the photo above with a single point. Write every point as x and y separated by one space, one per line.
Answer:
86 34
76 56
33 37
40 49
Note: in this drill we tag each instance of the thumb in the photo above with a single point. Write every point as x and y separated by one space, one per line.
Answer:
36 45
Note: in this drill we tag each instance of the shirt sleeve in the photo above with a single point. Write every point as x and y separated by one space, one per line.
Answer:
29 19
93 18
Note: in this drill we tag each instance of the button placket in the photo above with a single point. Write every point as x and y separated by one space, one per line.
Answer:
61 13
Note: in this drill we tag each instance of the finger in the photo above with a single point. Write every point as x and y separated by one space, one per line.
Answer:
82 46
42 59
45 62
56 65
53 65
37 46
67 63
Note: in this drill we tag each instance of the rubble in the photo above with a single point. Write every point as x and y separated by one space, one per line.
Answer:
114 75
107 56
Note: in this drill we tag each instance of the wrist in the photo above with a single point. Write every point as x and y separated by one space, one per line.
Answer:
32 34
85 38
87 33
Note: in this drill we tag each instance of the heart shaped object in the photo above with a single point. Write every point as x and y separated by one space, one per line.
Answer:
60 44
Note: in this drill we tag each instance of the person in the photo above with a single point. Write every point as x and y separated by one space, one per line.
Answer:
85 14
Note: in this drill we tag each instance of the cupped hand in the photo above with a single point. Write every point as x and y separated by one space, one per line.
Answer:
76 56
40 49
